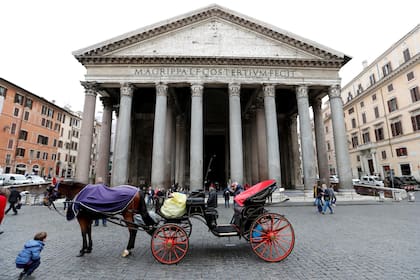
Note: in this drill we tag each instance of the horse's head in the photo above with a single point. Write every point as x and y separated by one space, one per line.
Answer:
64 188
50 195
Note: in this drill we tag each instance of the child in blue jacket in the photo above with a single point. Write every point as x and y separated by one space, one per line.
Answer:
30 256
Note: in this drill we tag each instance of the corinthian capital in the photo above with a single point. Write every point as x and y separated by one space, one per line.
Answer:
161 89
269 91
234 89
91 88
334 91
127 89
197 90
302 91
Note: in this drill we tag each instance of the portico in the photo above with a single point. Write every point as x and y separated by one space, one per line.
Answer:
213 96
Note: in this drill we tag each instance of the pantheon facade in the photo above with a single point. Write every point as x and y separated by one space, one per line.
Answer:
212 96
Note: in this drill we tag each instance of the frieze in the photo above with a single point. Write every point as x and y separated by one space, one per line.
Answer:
214 72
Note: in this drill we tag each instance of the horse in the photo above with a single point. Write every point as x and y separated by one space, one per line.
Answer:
85 216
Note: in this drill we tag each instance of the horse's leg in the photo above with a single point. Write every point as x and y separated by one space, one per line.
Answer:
83 230
132 232
89 235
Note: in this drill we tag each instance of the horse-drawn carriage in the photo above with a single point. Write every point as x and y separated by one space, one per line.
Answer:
270 235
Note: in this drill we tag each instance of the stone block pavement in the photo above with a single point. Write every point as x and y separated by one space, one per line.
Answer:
376 240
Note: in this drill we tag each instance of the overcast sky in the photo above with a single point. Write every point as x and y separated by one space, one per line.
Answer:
38 37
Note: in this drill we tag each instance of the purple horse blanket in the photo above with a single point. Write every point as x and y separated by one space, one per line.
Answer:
102 199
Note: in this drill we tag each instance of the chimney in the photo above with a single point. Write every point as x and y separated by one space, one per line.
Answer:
365 64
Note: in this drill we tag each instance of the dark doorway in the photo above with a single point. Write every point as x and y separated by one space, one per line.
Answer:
371 168
214 160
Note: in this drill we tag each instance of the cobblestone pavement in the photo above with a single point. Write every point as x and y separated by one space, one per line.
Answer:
373 241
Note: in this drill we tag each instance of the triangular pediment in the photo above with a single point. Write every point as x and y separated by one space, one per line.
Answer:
211 32
214 38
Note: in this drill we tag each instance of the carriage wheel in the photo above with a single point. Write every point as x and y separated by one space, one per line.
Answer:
169 244
272 237
187 226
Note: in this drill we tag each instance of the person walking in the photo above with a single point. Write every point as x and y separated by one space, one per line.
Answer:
318 200
29 258
226 196
14 199
212 200
3 202
328 196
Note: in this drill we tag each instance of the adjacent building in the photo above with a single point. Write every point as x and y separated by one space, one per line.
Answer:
382 112
36 135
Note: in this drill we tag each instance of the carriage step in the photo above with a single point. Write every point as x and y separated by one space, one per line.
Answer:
225 230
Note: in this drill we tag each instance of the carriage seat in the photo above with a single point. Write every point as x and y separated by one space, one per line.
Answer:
195 205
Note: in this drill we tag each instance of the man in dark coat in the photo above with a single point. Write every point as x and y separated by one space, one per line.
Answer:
14 199
212 200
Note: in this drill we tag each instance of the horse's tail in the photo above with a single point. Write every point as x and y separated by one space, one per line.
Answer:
143 210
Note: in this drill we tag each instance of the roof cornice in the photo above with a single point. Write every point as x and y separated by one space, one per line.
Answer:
146 60
215 11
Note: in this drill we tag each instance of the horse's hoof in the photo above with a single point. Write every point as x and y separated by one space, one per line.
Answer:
80 254
125 253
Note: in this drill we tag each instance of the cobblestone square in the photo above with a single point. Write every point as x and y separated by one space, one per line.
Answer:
369 241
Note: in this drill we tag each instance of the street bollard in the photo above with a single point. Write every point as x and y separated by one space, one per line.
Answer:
411 197
381 196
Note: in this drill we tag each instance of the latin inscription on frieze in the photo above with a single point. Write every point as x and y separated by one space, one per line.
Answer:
248 73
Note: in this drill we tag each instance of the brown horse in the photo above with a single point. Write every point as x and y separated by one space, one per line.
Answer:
69 189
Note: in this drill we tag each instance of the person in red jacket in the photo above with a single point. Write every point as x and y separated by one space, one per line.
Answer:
3 202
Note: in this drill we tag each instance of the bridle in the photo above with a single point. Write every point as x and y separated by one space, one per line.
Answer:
52 198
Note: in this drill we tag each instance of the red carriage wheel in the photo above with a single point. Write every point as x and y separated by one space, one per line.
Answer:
169 244
272 237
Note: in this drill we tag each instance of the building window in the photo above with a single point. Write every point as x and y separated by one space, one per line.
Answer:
16 112
28 103
359 89
326 129
53 156
379 134
19 99
353 123
20 152
358 158
23 135
415 121
44 110
372 79
26 116
383 153
364 118
3 91
13 129
387 69
376 110
10 144
401 152
351 110
405 169
328 146
42 140
415 94
366 137
392 105
8 158
406 54
410 76
396 128
44 156
50 113
373 97
38 154
60 144
354 141
362 104
390 87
